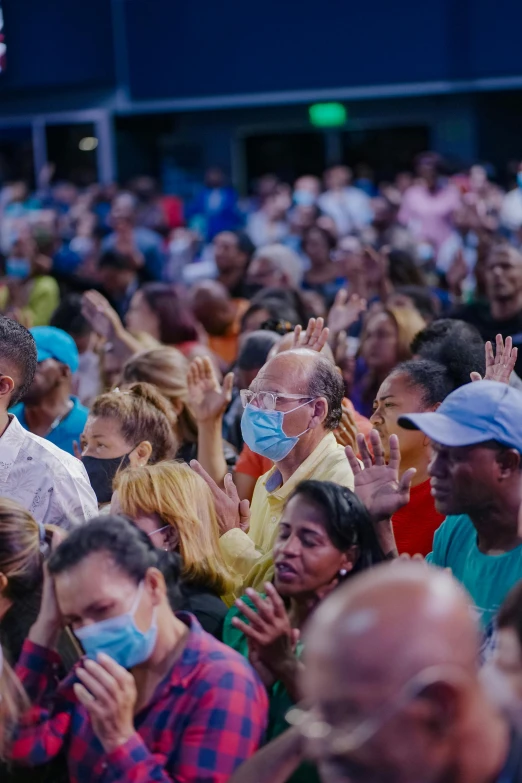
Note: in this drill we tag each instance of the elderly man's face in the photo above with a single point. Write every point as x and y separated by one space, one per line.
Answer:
287 374
365 730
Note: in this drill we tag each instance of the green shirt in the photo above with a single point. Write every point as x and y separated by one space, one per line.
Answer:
487 578
280 701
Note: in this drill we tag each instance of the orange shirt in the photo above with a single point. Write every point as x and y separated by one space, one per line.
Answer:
252 464
225 345
415 524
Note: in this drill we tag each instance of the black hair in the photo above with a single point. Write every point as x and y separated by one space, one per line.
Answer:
326 381
403 270
347 522
328 238
510 613
129 547
433 378
455 344
292 300
18 348
112 259
277 310
255 348
423 299
68 316
245 244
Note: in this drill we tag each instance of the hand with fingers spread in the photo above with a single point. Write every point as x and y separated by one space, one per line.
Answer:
207 399
268 629
104 320
315 337
500 365
345 311
230 510
346 432
108 693
378 484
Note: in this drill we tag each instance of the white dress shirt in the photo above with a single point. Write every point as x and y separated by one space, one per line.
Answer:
51 484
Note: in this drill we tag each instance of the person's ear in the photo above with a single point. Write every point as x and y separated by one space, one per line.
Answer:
320 412
171 537
3 582
508 461
438 708
141 453
348 560
177 405
65 371
155 584
7 386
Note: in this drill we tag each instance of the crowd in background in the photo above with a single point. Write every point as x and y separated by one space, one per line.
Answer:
219 420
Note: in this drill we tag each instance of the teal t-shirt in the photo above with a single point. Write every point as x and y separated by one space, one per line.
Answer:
68 430
487 578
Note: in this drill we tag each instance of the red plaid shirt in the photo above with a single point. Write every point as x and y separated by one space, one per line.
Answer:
205 718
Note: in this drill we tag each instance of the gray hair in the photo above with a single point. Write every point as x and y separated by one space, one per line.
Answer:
326 381
285 260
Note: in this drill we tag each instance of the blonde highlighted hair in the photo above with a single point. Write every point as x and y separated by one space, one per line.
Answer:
166 369
22 543
13 702
182 500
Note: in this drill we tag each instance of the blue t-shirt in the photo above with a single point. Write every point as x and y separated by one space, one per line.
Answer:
487 578
67 431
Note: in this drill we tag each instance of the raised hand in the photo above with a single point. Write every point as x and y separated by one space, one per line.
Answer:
346 432
378 484
108 693
48 624
230 510
500 365
102 317
315 337
207 399
345 311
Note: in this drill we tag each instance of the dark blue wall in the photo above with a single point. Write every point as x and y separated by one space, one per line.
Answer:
190 48
57 43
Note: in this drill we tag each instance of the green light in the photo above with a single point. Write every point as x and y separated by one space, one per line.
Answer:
327 115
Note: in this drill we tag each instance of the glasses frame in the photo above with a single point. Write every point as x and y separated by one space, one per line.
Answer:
247 396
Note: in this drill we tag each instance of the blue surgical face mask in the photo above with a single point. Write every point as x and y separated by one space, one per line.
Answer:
519 179
263 432
18 267
119 638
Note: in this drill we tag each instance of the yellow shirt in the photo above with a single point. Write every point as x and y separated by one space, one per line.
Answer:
251 554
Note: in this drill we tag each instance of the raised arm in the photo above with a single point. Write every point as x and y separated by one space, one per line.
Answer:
379 487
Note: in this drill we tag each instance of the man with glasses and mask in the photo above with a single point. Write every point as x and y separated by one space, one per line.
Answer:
45 480
392 692
290 412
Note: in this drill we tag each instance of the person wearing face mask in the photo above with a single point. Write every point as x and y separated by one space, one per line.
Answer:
30 294
325 536
174 507
126 428
140 703
291 410
49 409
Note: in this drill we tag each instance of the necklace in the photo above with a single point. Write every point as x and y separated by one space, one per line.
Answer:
59 419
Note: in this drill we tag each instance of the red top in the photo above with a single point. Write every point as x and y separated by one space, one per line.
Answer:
415 524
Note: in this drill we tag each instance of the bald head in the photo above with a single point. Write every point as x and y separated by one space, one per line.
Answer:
392 622
301 371
286 344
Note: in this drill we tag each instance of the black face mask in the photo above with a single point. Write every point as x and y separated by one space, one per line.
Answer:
102 473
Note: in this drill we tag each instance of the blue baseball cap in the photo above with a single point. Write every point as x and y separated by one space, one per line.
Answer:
53 343
472 414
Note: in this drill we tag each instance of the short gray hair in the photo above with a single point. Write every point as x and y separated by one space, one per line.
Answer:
326 381
285 260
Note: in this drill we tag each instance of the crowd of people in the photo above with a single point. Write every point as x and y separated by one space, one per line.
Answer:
261 481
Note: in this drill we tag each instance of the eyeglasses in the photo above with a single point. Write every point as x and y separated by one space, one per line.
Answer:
353 733
267 400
